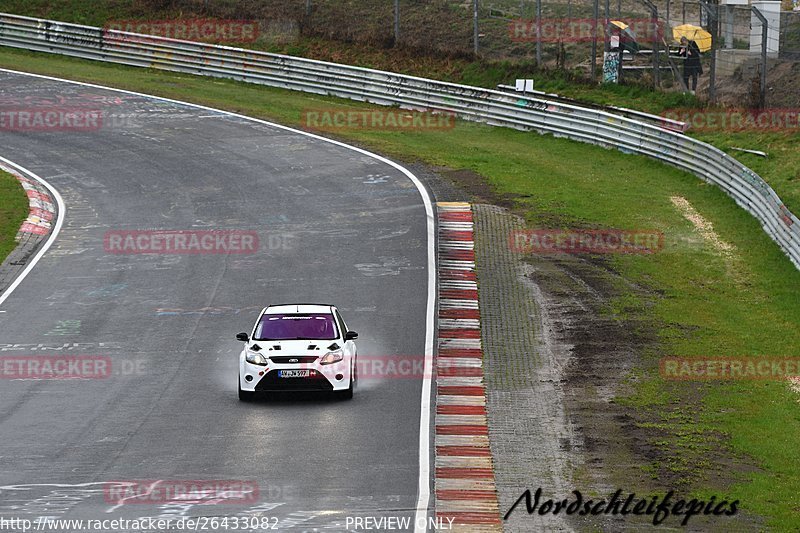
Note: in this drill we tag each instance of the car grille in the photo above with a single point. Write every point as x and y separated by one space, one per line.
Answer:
289 359
271 382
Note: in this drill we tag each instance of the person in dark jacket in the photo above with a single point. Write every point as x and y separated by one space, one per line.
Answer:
691 63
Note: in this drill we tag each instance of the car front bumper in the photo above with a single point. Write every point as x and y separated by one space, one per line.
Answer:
334 377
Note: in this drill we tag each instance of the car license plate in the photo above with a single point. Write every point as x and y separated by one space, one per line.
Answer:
296 373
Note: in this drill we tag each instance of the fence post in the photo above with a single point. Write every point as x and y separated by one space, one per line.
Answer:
595 15
656 45
308 8
668 12
656 55
538 36
396 22
762 89
713 23
475 26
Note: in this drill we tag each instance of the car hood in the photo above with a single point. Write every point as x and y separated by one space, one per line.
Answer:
296 347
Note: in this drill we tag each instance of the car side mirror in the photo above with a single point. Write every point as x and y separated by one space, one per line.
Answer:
244 337
350 336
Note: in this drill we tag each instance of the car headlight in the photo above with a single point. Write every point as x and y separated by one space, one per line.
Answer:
255 358
332 357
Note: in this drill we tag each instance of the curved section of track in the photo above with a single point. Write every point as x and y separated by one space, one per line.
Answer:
334 223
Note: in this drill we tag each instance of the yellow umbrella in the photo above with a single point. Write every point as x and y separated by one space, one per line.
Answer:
693 33
619 24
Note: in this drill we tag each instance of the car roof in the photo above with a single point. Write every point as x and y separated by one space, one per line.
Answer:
298 308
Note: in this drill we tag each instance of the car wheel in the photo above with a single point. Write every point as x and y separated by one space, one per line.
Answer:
245 395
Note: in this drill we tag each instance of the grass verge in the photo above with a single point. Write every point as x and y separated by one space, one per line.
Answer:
705 302
13 210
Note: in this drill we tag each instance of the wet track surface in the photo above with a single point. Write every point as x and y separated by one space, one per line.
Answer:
334 226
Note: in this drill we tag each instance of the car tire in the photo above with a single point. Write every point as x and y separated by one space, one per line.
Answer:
245 395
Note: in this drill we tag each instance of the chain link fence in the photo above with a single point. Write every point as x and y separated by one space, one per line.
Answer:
606 40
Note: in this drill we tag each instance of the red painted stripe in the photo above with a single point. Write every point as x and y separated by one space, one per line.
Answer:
461 391
459 334
458 274
460 372
461 410
471 518
461 236
27 227
464 473
455 216
463 451
458 294
466 495
462 430
41 213
461 352
459 313
458 255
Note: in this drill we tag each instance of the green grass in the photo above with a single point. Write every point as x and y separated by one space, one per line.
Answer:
13 210
703 302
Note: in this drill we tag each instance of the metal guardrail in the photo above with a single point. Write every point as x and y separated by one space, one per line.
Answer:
385 88
654 120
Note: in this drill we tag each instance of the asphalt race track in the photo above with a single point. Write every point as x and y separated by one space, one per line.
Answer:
334 226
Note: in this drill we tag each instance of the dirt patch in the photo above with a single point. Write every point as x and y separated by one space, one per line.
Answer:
703 226
645 448
477 187
739 90
794 383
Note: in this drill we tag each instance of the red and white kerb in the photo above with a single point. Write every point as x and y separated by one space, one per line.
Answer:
42 209
464 478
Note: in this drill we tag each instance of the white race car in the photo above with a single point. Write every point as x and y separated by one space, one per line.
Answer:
298 347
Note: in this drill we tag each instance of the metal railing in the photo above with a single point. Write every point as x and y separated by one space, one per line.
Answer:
385 88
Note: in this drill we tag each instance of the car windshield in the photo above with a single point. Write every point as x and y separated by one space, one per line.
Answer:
307 326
